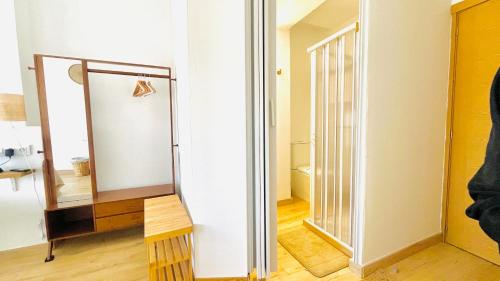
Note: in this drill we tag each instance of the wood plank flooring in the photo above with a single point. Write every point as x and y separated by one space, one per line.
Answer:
121 256
442 262
74 188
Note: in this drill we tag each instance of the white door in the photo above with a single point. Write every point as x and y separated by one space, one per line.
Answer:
264 124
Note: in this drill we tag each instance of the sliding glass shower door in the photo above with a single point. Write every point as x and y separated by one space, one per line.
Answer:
333 133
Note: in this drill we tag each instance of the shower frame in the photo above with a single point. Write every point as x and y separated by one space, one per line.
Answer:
322 49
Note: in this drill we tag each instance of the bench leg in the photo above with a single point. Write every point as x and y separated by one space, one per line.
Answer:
152 275
153 271
190 261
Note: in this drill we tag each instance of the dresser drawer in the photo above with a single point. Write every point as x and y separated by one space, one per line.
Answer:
119 221
119 207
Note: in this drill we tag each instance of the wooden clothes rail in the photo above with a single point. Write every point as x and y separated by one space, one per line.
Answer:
131 73
106 210
106 61
127 73
117 72
86 70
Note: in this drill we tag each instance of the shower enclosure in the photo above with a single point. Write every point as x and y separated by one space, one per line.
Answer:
334 104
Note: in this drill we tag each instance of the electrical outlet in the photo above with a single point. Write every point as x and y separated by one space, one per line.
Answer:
26 150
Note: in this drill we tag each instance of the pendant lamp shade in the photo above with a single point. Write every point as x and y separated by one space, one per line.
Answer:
75 73
12 107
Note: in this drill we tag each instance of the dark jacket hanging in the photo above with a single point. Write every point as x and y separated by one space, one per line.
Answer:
484 187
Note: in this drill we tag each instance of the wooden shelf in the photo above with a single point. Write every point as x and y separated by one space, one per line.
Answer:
70 222
74 229
166 228
164 218
133 193
118 195
70 204
178 271
13 175
168 252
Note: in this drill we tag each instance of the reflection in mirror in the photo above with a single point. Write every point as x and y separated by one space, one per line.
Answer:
131 134
68 129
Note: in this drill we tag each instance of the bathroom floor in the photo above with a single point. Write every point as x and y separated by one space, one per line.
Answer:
440 262
291 215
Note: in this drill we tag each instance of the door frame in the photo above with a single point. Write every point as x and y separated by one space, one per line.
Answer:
262 217
262 158
456 9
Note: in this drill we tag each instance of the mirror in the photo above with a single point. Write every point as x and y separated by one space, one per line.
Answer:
131 135
68 129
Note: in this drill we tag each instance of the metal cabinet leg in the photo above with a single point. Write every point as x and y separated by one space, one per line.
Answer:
50 256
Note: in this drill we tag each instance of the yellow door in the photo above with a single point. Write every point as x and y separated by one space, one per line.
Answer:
477 60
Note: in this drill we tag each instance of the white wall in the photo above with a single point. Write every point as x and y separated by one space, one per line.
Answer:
406 64
328 18
283 114
212 132
289 13
456 1
302 37
109 30
20 211
10 79
78 28
92 29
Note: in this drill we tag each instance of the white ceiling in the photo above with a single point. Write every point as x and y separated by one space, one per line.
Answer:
289 12
333 13
322 13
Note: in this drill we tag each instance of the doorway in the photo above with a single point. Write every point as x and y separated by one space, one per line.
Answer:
316 109
475 61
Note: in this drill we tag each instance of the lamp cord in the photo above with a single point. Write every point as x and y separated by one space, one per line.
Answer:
33 177
33 174
10 158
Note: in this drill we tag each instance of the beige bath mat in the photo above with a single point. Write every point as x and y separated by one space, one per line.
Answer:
315 254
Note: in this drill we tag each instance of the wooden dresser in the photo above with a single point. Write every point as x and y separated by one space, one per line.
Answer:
97 210
110 210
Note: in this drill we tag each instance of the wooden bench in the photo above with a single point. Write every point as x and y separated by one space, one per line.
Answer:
167 233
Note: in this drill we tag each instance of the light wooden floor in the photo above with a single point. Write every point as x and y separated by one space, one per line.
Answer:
122 256
117 255
74 188
442 262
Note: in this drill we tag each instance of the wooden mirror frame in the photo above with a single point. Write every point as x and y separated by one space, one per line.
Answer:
48 165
